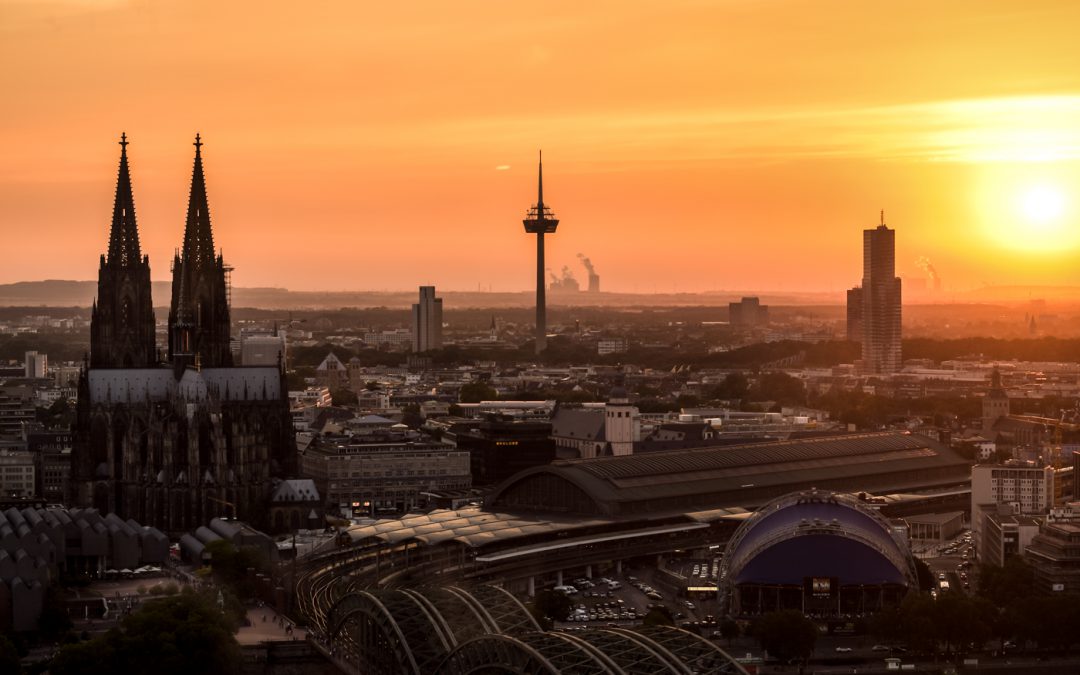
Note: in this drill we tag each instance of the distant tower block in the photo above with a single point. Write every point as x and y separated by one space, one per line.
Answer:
427 321
540 220
881 303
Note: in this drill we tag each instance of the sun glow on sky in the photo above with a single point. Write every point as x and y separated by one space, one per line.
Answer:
688 145
1042 205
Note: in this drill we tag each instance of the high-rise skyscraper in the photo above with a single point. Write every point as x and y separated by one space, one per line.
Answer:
854 314
880 302
427 321
36 365
540 221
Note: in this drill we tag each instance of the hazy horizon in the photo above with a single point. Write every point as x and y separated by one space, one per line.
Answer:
80 293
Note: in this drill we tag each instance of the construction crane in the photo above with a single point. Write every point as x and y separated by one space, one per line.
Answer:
229 504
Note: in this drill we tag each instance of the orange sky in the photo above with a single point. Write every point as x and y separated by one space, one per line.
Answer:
689 145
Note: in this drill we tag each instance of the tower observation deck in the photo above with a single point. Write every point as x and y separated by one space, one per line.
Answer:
540 220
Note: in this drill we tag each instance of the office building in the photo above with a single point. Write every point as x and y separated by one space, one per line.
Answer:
387 470
51 451
16 417
748 313
854 314
606 346
1005 535
427 321
1054 552
17 474
1028 488
36 365
880 293
262 349
935 526
499 449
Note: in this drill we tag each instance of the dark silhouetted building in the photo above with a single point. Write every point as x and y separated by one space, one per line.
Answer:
880 293
748 313
818 552
498 450
427 321
540 220
122 317
199 315
854 314
995 404
173 444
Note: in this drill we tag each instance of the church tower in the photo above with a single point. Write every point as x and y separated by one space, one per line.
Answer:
122 319
621 423
995 404
199 314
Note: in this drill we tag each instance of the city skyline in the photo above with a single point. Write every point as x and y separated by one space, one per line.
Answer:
756 172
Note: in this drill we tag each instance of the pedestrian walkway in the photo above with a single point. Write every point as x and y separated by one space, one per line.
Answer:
268 625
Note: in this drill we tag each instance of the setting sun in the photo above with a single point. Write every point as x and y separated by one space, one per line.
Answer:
1028 209
1042 206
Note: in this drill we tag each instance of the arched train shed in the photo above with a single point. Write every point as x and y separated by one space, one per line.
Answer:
745 475
485 630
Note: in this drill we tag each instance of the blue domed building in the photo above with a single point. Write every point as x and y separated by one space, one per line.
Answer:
819 552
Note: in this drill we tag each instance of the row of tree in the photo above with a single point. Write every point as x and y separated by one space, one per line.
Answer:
563 350
179 635
1004 607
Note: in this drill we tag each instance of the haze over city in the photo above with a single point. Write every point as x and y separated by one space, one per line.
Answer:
688 147
729 338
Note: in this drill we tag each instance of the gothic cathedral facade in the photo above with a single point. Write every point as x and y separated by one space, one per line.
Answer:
174 440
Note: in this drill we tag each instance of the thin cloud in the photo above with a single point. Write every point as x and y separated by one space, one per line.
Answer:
1003 129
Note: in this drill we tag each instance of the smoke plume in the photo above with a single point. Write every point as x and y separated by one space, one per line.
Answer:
586 262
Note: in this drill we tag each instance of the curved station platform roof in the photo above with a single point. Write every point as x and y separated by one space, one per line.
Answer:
731 476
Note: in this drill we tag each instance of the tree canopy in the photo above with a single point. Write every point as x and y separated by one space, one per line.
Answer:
474 392
786 635
179 635
551 606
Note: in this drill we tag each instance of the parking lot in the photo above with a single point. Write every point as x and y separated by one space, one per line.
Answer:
625 599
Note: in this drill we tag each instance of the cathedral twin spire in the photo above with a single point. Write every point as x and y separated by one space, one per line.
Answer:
122 331
198 237
124 236
199 316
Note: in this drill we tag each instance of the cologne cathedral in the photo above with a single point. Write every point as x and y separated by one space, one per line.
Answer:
175 439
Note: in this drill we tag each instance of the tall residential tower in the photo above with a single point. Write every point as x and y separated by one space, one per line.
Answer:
540 220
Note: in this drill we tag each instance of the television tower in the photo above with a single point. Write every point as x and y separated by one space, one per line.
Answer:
540 220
